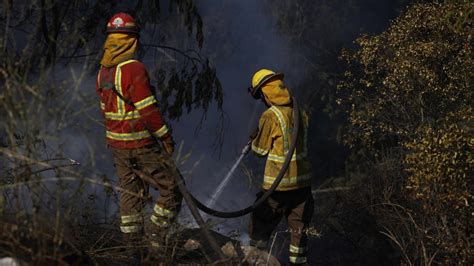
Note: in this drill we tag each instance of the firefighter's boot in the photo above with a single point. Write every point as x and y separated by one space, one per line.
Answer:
158 236
133 247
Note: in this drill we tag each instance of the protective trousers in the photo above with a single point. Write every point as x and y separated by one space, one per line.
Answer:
297 207
153 161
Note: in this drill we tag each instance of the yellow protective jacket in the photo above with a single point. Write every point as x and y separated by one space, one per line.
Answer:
273 140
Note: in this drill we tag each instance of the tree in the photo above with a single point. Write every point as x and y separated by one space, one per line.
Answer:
316 31
40 34
50 209
408 95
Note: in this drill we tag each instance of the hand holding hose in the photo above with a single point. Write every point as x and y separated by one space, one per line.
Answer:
254 134
264 197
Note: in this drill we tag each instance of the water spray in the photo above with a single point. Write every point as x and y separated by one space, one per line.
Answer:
217 193
194 204
267 194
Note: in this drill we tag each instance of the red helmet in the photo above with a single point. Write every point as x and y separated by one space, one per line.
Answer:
123 23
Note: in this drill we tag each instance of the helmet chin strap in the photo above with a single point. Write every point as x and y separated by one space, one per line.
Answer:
265 100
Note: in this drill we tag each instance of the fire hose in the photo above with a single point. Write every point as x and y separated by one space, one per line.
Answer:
267 194
194 203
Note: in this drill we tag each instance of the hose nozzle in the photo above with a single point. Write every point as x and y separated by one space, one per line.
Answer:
246 149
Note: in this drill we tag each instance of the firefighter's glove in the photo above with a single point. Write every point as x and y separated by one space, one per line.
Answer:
254 134
168 144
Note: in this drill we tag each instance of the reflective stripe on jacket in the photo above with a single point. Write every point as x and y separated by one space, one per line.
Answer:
129 126
273 140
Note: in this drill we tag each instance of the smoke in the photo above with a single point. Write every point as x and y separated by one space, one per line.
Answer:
240 37
239 40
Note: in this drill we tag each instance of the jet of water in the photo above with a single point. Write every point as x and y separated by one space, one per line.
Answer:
217 193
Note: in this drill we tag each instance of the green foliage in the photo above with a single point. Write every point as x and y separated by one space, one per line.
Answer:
189 88
37 35
440 164
191 17
443 157
413 74
316 31
53 209
410 89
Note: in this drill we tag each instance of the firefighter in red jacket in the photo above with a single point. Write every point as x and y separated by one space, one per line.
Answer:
133 125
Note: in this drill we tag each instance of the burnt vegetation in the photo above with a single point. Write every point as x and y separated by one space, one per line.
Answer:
391 123
56 210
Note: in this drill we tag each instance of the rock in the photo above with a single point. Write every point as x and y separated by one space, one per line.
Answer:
8 261
229 250
191 245
255 256
197 250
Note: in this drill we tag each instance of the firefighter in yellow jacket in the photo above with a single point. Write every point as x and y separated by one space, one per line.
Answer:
292 198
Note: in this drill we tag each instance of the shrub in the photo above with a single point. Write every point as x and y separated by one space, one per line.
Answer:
409 89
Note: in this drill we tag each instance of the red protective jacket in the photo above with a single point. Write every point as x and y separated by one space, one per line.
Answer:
129 126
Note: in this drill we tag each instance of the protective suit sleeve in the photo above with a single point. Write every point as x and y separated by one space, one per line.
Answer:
262 144
145 102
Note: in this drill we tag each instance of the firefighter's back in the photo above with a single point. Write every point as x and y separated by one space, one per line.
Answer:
298 173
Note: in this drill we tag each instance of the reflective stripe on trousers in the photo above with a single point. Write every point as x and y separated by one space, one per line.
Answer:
297 254
161 217
131 223
298 259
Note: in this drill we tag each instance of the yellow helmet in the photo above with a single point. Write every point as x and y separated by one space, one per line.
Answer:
261 77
